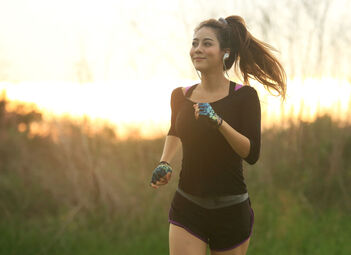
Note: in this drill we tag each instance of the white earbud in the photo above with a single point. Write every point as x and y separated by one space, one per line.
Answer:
226 55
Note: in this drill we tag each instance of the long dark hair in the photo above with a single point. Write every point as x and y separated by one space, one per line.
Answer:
253 56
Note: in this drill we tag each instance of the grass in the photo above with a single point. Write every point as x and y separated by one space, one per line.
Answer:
78 192
294 232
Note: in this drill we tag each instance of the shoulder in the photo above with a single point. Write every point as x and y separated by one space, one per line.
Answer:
249 92
178 92
247 95
183 90
249 89
177 96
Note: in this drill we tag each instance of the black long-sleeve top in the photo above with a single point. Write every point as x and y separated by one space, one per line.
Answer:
210 166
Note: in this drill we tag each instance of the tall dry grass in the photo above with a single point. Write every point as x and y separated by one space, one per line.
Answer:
75 173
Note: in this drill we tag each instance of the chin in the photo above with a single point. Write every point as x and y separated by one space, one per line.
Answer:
199 67
202 70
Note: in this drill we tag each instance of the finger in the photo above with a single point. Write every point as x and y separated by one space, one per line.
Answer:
168 176
161 183
154 186
163 180
154 179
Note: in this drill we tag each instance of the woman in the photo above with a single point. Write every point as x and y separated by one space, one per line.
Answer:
218 124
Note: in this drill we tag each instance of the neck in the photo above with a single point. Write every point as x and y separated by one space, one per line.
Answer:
213 81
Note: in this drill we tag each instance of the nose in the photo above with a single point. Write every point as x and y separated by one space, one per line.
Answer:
198 48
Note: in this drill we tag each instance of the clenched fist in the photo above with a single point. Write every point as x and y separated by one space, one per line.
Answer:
206 112
161 174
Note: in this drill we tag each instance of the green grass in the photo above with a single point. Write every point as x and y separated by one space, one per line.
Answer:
274 233
88 193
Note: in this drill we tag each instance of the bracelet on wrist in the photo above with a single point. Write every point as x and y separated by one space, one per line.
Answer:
220 122
164 162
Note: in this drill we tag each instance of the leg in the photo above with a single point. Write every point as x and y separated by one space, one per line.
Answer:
244 247
240 250
242 221
181 242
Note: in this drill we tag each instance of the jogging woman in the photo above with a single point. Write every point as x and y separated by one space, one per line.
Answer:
218 124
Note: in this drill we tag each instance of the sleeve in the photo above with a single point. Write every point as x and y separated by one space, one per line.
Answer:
174 112
251 124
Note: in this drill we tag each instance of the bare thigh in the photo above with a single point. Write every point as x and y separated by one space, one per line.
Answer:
240 250
181 242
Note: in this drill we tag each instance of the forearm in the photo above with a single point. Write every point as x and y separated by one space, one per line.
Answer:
239 142
172 144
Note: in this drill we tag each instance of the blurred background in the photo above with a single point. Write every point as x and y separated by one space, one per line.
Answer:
85 107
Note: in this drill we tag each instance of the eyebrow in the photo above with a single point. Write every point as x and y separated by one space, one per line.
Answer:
204 39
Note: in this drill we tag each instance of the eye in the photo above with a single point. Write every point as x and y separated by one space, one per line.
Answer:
206 43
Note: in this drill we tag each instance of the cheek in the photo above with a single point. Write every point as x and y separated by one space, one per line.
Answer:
213 52
215 57
191 52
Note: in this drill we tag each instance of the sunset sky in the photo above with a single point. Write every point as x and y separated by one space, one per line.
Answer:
120 60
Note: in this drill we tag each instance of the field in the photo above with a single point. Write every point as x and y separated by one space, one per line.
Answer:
75 191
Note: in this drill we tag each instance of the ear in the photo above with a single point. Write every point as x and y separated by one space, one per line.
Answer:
226 50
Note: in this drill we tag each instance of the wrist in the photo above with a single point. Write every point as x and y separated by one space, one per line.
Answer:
219 122
164 162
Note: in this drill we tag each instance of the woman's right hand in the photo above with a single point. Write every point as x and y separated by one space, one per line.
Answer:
161 175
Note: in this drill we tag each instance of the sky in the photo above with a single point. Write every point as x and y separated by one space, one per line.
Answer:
46 40
96 57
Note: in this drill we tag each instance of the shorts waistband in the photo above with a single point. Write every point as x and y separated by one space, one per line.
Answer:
214 202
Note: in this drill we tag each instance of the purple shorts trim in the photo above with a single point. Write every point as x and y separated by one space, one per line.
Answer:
215 245
236 245
187 229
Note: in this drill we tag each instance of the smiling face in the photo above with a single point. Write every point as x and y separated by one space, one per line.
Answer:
205 52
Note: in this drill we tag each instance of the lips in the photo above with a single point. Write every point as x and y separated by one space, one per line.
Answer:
198 58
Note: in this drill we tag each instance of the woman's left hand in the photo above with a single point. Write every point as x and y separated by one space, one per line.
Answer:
205 111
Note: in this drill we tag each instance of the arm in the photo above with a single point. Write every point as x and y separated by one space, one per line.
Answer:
162 173
239 142
246 140
172 144
173 141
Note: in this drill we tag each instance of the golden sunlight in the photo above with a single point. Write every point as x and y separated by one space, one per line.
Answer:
147 112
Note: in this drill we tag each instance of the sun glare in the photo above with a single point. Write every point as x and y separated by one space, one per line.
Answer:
144 110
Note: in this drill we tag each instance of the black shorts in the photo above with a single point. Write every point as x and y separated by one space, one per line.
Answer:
222 228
